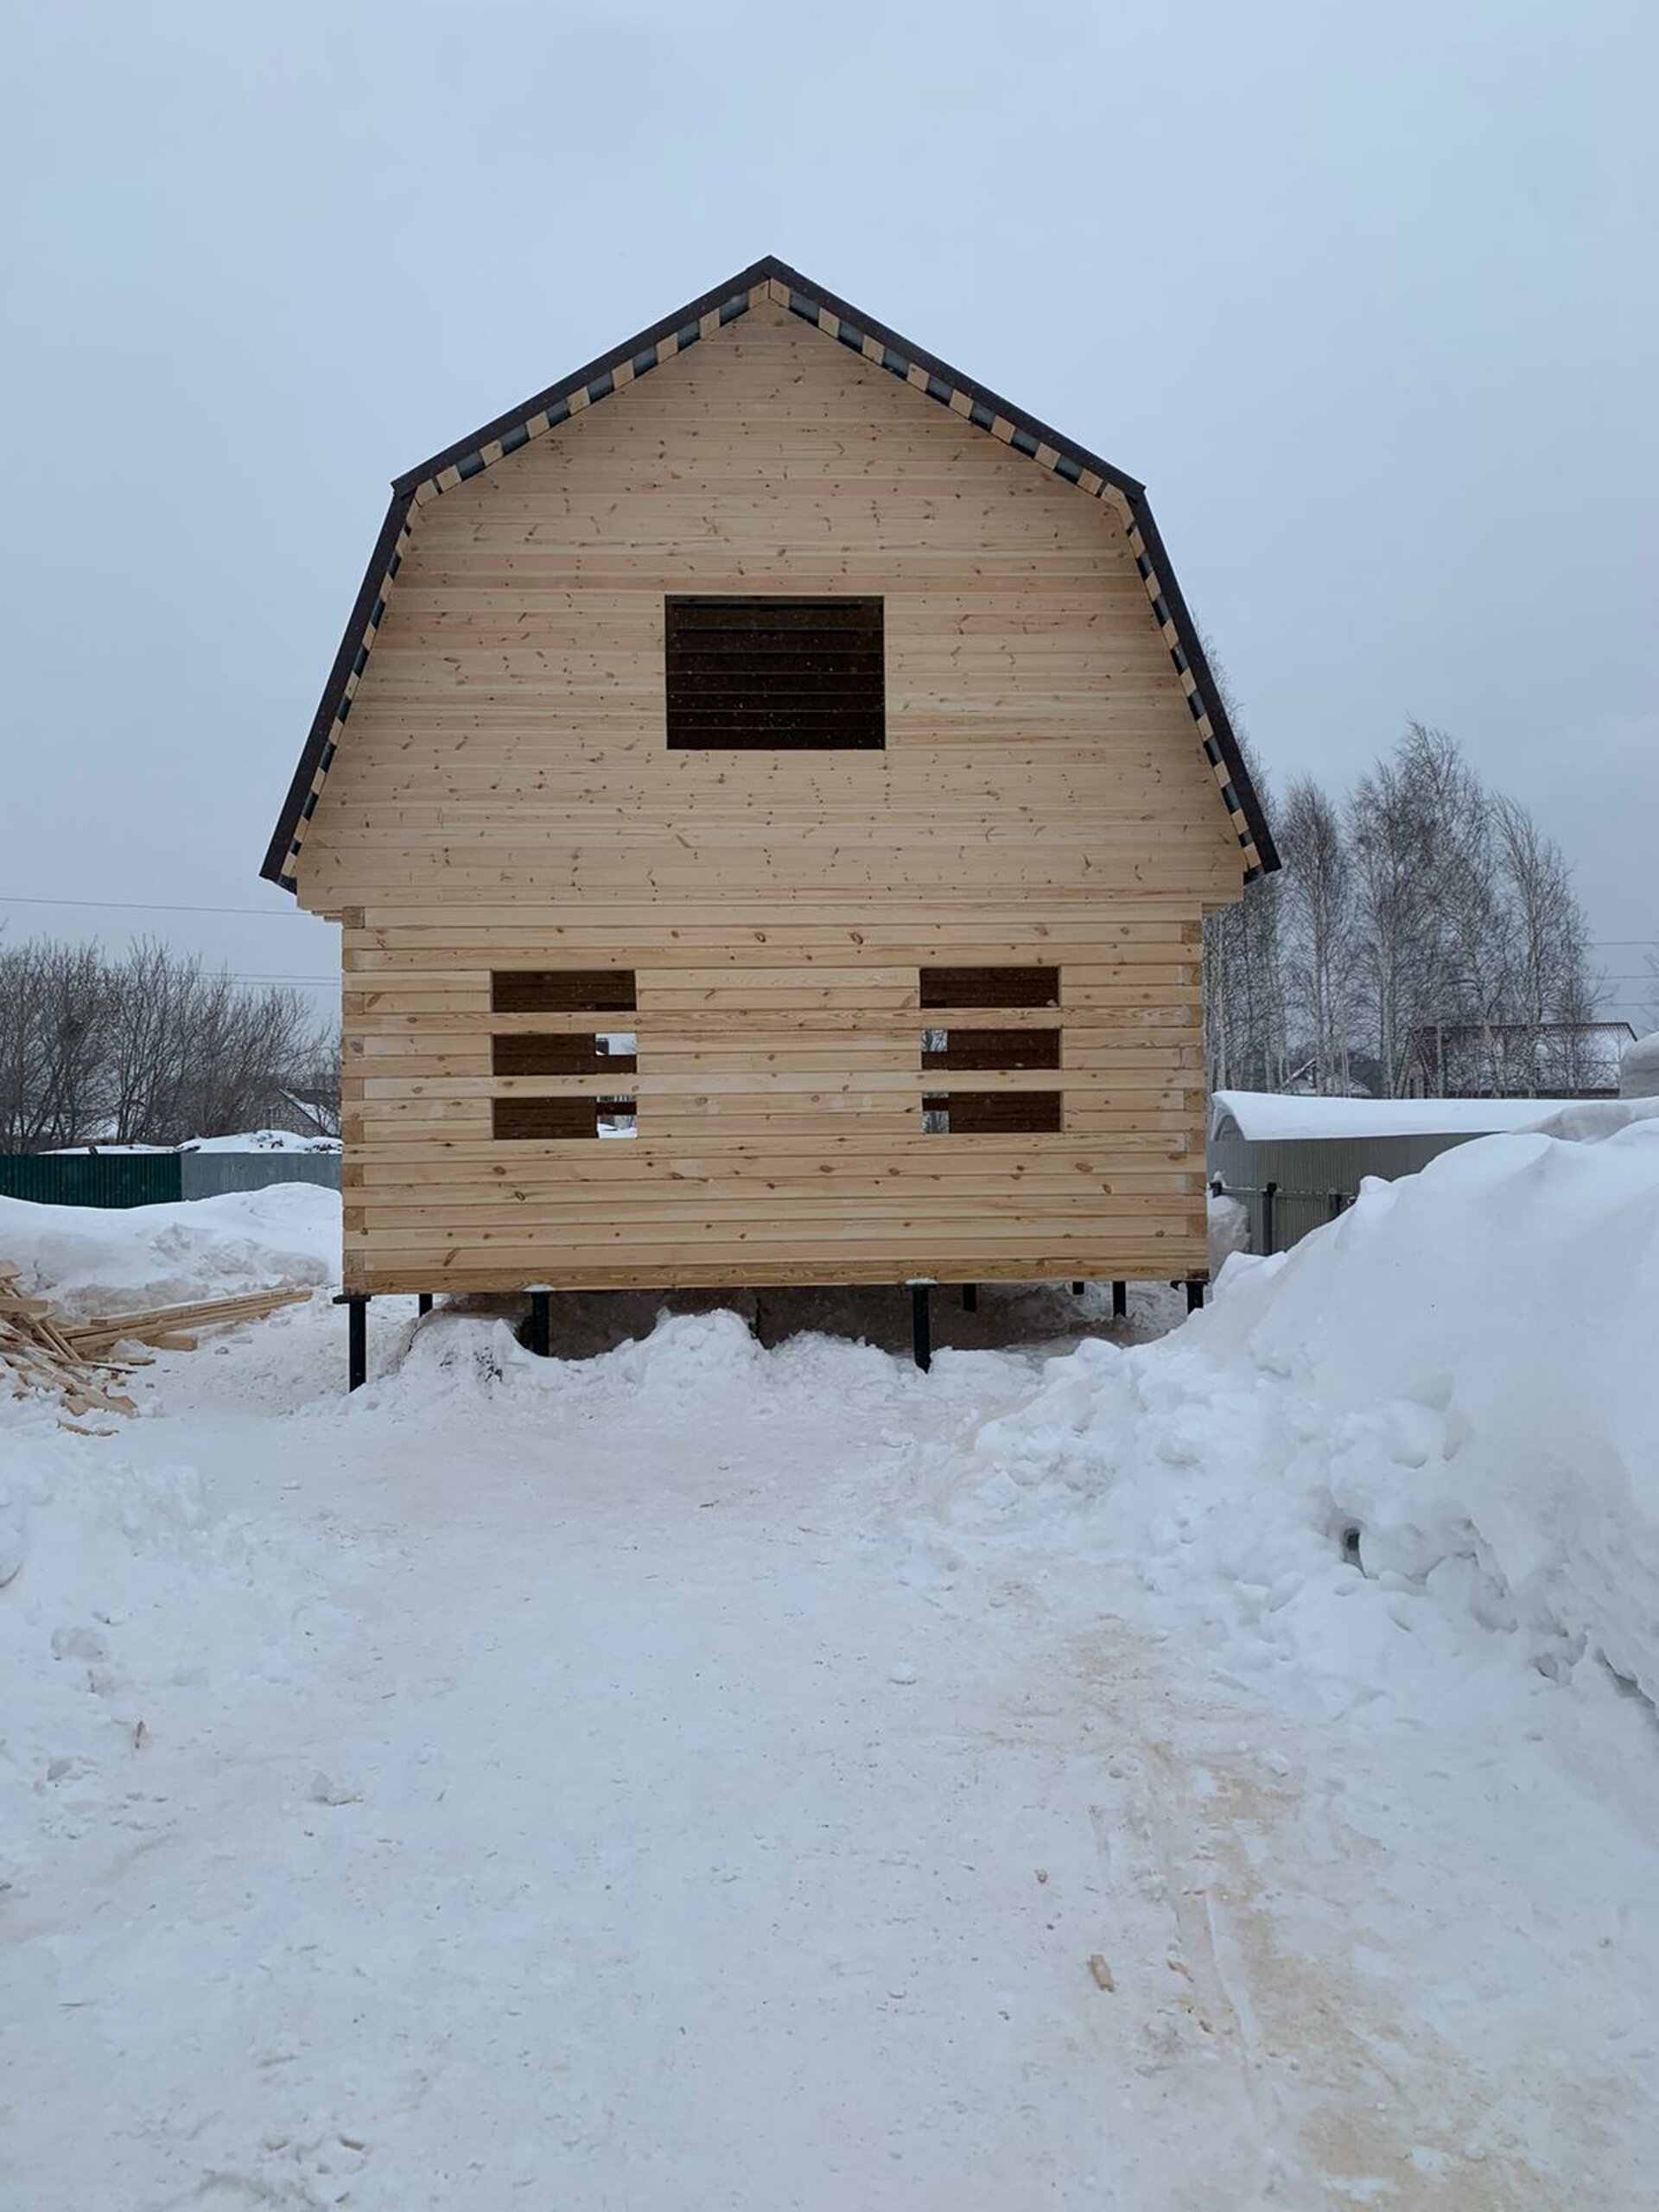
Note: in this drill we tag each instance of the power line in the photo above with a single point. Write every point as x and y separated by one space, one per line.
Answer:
155 907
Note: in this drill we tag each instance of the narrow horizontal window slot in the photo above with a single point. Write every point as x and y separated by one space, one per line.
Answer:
991 986
544 1120
573 1054
562 990
991 1048
991 1113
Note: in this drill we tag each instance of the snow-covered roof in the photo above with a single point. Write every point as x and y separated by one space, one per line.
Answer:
1277 1117
241 1141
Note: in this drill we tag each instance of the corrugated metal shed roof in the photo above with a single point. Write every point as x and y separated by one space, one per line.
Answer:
1278 1117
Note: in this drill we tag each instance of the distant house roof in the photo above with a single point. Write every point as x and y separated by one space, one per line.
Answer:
1509 1058
1276 1117
842 324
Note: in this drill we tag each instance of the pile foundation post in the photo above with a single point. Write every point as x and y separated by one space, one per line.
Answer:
921 1323
357 1339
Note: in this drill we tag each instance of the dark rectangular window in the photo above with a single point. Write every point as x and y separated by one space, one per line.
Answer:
775 674
576 1054
991 1113
991 1048
990 987
545 1118
562 990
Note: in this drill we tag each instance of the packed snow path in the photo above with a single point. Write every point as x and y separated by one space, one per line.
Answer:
643 1782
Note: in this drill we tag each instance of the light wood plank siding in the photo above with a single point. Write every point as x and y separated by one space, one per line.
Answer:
503 795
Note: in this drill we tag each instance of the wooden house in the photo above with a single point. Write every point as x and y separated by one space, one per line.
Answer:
771 787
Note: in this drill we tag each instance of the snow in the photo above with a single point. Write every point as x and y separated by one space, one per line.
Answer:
1228 1223
241 1141
1276 1117
1212 1770
261 1140
1588 1121
89 1260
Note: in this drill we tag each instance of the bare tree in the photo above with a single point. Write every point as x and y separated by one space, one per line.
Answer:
314 1091
1388 913
1550 985
1429 931
1243 1000
1317 906
147 1049
55 1003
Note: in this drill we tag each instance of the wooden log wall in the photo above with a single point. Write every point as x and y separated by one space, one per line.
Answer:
505 801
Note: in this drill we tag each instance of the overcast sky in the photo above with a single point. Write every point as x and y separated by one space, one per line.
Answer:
1365 295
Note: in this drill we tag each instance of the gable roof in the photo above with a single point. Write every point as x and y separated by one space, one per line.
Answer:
773 279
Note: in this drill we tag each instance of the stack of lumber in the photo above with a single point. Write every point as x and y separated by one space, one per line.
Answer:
174 1328
72 1360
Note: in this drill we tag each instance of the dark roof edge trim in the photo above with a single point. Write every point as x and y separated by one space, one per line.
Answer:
768 269
274 868
1208 690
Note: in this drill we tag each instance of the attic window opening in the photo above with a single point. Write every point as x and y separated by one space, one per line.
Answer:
774 674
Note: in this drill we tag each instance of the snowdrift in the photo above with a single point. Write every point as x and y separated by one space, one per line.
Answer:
90 1261
1449 1394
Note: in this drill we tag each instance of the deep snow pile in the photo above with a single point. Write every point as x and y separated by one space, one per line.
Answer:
1446 1395
91 1259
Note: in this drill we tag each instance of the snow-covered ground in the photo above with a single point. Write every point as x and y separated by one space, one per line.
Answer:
88 1260
700 1770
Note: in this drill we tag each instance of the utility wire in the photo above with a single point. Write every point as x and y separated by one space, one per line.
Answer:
154 906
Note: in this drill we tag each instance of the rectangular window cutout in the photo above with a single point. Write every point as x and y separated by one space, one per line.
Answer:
775 674
576 1054
991 1113
991 1048
562 990
991 986
545 1119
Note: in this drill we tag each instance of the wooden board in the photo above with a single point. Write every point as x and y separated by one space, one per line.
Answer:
505 802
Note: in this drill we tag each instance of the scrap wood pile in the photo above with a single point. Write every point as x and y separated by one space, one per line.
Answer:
78 1361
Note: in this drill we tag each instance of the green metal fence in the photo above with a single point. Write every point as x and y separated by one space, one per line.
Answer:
91 1178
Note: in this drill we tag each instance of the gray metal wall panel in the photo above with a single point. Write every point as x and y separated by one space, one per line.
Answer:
210 1174
1309 1171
